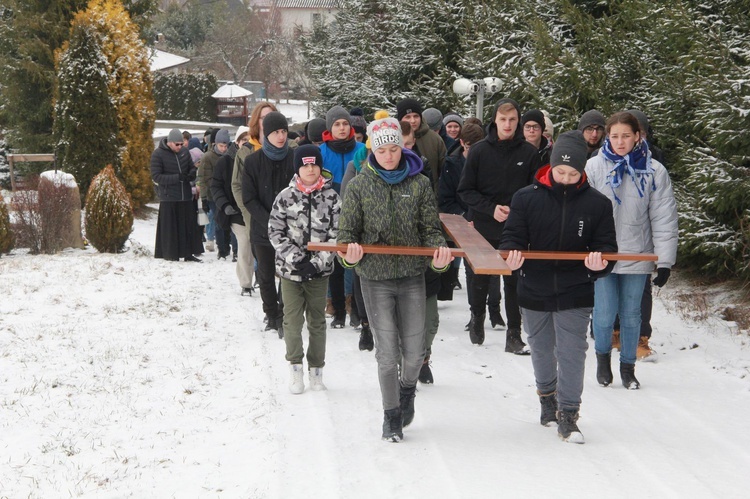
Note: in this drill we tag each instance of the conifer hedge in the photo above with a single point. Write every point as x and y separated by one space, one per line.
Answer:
6 236
109 213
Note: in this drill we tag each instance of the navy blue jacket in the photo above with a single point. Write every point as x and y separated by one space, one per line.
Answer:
547 216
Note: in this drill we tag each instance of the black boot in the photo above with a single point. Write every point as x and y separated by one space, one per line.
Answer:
627 374
604 368
476 329
425 373
567 429
339 319
496 319
514 343
549 408
393 425
365 338
406 402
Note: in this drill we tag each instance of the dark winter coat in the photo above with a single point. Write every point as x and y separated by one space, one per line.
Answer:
493 172
448 199
221 190
432 147
297 219
402 214
545 150
262 180
166 167
206 172
547 216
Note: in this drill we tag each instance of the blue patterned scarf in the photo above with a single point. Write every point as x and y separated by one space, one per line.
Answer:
637 164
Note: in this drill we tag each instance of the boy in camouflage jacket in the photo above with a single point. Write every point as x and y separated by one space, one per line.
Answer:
307 210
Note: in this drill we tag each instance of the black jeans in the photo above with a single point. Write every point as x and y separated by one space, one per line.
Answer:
336 287
479 289
265 256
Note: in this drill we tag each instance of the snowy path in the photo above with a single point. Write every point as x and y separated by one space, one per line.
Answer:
124 376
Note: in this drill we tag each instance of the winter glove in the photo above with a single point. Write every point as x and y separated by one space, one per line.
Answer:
305 270
229 210
204 205
184 177
662 276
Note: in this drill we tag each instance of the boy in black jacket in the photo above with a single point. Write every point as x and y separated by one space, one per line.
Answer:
560 212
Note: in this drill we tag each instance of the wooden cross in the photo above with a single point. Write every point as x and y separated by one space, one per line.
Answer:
483 258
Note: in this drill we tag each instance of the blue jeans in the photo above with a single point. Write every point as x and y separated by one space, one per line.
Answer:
396 309
613 295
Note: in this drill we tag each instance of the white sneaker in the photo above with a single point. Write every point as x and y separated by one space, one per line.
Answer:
296 383
316 379
210 246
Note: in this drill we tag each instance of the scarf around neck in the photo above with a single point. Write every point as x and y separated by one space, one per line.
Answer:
341 146
637 164
390 176
309 189
275 153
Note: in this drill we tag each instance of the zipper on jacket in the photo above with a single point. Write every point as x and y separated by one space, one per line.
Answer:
179 168
562 233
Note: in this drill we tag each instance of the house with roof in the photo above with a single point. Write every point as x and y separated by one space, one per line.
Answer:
299 14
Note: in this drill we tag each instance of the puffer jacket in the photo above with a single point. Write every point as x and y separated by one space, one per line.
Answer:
553 217
335 162
166 167
402 214
297 219
645 224
206 172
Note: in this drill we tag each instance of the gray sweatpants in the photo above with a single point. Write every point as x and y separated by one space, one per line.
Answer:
558 352
396 310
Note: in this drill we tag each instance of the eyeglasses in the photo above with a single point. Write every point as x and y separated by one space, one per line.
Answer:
178 144
593 129
530 128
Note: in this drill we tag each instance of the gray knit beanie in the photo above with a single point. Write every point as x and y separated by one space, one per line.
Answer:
433 117
334 114
592 118
174 136
569 149
222 137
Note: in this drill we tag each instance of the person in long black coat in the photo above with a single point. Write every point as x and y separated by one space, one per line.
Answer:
173 172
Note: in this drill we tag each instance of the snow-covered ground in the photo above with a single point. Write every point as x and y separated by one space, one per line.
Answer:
126 376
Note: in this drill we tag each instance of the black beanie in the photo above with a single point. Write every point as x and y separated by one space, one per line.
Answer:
315 129
534 115
274 121
306 154
408 106
569 149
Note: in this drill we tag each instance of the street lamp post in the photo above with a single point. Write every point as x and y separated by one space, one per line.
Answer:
480 88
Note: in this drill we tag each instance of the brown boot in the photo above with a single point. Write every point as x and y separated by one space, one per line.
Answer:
329 308
644 351
616 339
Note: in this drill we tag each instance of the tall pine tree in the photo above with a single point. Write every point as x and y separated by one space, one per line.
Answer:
85 123
131 91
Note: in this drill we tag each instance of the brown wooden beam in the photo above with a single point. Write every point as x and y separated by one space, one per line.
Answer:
459 252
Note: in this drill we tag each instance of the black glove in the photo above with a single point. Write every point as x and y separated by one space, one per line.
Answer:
204 205
305 270
229 210
184 177
662 276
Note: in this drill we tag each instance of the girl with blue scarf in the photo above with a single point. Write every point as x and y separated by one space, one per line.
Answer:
645 215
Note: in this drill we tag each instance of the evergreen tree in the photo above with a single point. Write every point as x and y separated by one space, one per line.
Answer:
6 236
85 119
109 213
30 33
130 89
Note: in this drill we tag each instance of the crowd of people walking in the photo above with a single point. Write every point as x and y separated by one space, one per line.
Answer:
602 188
